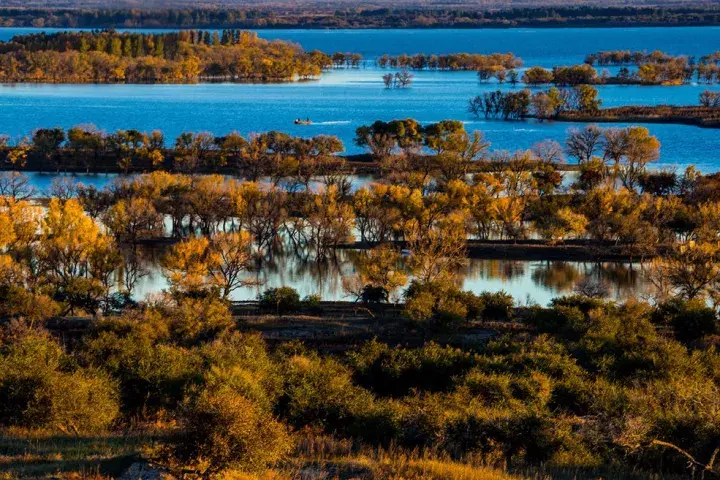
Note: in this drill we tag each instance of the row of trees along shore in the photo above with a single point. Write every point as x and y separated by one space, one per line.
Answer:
453 61
656 68
84 147
581 103
178 57
274 155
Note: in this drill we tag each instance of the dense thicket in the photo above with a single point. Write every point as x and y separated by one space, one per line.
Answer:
584 385
185 56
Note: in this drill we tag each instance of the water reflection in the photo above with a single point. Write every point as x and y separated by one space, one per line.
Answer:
536 281
42 182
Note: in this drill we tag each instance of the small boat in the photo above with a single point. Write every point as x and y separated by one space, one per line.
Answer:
302 122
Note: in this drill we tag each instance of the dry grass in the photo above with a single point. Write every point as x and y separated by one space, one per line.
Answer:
30 454
41 455
326 458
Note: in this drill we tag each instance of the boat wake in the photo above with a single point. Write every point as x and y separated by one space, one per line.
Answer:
335 122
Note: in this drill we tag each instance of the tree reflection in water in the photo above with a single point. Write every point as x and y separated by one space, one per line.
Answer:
540 280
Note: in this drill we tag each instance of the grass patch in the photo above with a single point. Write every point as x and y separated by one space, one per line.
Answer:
40 455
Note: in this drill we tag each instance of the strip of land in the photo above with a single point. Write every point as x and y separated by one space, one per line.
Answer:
706 117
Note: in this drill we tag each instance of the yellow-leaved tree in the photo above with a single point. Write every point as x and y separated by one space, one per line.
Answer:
187 266
74 257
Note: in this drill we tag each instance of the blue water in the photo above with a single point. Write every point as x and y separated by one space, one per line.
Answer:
536 46
343 100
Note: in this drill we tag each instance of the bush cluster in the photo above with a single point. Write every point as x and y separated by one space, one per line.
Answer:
589 382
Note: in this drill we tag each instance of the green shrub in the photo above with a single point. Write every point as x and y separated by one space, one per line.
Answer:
16 302
420 307
690 320
573 394
396 371
223 430
424 421
474 304
152 376
195 320
441 305
83 402
280 300
320 393
498 305
570 322
374 294
450 313
240 361
504 390
581 302
514 432
313 303
38 389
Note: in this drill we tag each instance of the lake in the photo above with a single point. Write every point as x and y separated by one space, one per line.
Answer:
345 99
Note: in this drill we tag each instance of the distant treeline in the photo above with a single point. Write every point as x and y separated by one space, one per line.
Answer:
581 104
656 68
177 57
659 66
357 17
84 147
453 61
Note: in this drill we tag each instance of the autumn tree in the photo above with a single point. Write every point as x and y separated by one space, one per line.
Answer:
232 255
557 224
640 149
692 269
75 258
188 265
330 222
438 251
584 144
133 220
87 144
379 274
47 142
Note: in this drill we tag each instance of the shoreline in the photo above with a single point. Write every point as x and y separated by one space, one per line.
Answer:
541 250
703 117
578 250
360 164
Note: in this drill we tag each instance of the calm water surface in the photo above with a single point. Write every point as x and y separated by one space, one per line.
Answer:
342 100
42 182
526 281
